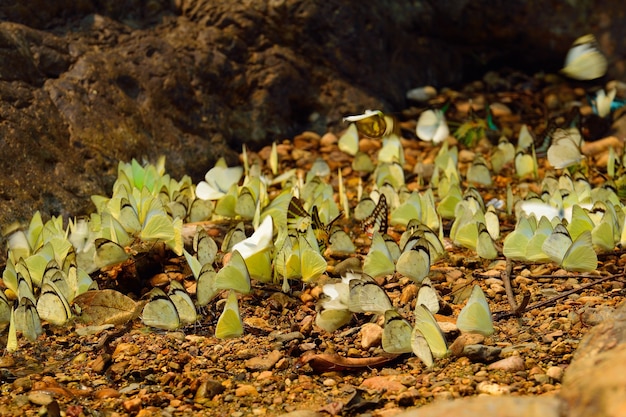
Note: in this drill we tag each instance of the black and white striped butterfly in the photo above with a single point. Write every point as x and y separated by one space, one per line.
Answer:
377 220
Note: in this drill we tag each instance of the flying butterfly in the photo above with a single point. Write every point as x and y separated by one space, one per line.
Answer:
377 220
372 123
584 61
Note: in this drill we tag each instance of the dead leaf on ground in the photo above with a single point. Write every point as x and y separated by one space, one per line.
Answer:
106 307
326 362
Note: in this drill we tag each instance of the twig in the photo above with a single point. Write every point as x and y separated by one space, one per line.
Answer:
506 278
498 315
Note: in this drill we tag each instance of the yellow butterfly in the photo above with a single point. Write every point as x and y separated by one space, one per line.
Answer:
371 123
229 323
475 316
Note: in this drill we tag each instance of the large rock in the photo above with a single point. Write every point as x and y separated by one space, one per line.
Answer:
86 83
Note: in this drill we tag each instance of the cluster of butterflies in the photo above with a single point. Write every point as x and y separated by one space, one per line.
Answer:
359 293
42 277
297 229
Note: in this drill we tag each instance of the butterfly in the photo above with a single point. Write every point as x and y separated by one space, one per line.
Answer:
502 154
396 333
321 230
414 262
52 306
160 311
5 310
577 255
516 242
372 123
349 140
109 253
229 323
475 316
218 181
478 172
377 220
427 326
379 260
427 296
27 320
297 216
182 301
584 61
525 163
432 126
367 297
565 148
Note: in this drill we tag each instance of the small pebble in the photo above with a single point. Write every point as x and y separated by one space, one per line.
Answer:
371 335
555 372
491 388
511 364
481 353
132 406
40 397
245 390
329 382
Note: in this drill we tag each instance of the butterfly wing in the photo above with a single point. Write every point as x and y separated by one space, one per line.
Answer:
475 316
427 325
229 323
396 333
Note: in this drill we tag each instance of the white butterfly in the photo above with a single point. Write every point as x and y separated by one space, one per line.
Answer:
432 126
584 61
565 148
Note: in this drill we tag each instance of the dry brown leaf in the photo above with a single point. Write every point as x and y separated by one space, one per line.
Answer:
106 307
325 362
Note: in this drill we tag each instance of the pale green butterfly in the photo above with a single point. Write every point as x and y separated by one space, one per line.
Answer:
396 333
108 253
502 154
5 310
516 242
349 140
52 306
564 151
183 303
160 311
379 261
331 320
27 320
12 336
234 275
427 296
475 316
485 246
367 297
420 347
427 325
229 323
415 261
478 172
